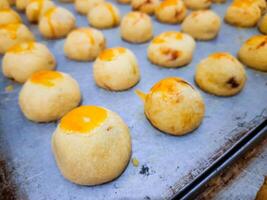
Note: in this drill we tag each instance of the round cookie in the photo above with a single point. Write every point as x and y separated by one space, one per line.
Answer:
202 24
145 6
124 1
104 15
36 9
48 95
243 13
171 11
116 69
11 34
84 6
220 74
9 16
173 106
84 44
143 27
26 58
253 52
262 26
91 145
171 49
21 4
198 4
4 4
56 23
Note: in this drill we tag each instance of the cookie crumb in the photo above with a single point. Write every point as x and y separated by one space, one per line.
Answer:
9 88
135 162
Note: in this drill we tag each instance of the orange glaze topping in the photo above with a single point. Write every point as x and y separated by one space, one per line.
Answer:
48 14
112 11
243 3
220 55
257 39
83 119
12 29
111 54
88 33
46 78
167 85
167 3
22 47
170 34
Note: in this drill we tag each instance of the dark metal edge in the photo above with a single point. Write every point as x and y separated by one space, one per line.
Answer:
251 138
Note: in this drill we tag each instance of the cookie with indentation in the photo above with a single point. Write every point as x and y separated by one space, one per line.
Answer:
36 9
48 95
171 11
26 58
220 74
243 13
124 1
198 4
145 6
143 27
173 106
91 145
84 44
84 6
56 23
253 52
9 16
116 69
262 25
11 34
104 15
171 49
202 24
4 4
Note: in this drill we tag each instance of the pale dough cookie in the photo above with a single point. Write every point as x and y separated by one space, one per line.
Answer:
171 11
171 49
202 24
84 44
4 4
198 4
36 9
124 1
84 6
253 52
12 34
116 69
220 74
263 24
173 106
21 4
145 5
219 1
243 13
143 27
91 145
26 58
9 16
56 23
104 15
48 95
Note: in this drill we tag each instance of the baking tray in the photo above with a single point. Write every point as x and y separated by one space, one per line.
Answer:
167 164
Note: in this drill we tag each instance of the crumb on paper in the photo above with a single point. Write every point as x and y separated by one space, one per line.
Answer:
9 88
135 162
